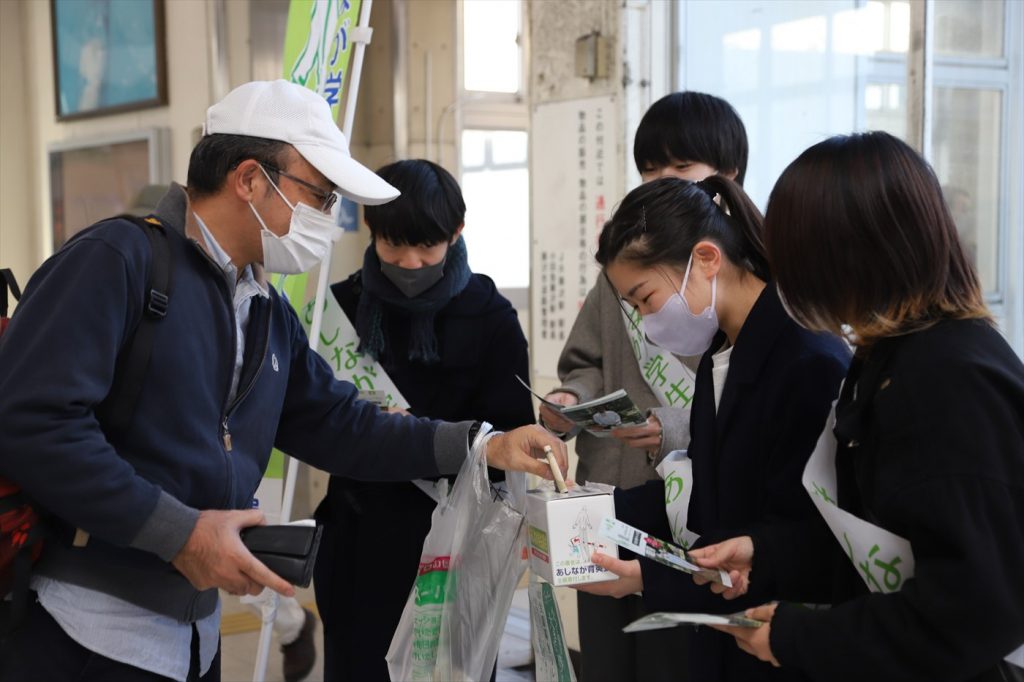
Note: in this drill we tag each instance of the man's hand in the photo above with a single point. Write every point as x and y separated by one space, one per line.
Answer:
755 641
646 437
551 419
630 579
214 556
522 449
735 555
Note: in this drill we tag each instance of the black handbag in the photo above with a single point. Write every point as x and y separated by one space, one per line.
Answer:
289 551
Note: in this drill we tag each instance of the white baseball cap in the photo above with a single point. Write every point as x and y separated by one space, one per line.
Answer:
285 111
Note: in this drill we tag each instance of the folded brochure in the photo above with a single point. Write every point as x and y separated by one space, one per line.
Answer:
661 620
639 542
600 415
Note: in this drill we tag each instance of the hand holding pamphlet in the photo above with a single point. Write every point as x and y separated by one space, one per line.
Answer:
599 416
666 553
661 620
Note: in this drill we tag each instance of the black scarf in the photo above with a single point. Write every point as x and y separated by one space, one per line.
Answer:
378 293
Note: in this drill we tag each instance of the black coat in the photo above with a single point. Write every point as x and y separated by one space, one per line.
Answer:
374 532
930 429
482 349
747 463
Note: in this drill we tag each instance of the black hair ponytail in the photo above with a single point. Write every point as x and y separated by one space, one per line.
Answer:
661 221
745 216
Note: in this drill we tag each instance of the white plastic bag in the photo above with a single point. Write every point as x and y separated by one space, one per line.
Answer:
471 562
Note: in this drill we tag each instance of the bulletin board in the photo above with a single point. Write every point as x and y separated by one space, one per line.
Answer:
573 193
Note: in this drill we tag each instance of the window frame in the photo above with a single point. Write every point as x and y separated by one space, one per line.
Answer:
482 110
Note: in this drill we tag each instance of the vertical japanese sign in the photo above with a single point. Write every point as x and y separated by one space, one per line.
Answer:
316 55
317 50
572 198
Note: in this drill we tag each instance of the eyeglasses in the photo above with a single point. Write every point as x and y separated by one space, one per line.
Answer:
327 198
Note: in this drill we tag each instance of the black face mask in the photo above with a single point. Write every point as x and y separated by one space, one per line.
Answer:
414 281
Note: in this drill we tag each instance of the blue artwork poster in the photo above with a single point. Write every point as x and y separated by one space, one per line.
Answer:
108 55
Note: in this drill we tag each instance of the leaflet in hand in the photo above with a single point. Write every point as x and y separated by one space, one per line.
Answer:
601 415
639 542
661 620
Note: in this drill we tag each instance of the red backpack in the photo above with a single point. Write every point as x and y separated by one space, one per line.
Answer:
22 529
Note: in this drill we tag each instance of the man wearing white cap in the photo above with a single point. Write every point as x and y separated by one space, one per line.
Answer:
158 503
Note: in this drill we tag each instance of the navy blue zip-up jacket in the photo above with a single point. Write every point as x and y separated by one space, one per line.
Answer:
138 492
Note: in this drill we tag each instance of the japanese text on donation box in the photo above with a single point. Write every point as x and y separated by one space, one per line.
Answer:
572 197
338 345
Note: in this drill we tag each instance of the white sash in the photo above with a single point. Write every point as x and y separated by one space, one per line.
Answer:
673 384
884 560
677 471
338 344
670 380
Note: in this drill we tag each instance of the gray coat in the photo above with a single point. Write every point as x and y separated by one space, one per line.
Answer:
598 359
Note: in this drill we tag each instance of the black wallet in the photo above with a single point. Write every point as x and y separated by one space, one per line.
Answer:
289 551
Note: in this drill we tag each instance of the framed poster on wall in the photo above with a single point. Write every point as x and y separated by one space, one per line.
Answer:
99 178
109 56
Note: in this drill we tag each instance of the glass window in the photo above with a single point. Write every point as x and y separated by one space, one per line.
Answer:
799 71
886 26
969 28
789 67
508 146
491 51
497 193
885 108
474 148
966 155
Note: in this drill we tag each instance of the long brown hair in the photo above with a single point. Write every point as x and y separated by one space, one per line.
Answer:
858 233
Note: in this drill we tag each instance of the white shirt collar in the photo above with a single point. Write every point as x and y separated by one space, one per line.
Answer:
222 259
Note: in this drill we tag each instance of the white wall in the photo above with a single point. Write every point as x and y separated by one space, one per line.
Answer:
29 122
19 240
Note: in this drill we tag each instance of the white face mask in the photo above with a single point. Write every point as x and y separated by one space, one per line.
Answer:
310 233
675 328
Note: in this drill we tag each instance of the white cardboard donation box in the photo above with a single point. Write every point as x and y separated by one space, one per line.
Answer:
564 531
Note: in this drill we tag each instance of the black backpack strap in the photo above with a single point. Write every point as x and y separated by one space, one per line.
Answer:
12 611
134 360
8 286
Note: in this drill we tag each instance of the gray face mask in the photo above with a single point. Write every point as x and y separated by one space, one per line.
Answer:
414 281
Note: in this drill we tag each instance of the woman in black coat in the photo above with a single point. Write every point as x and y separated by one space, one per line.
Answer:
696 270
922 538
453 346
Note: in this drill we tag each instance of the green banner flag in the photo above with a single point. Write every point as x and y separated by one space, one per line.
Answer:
317 47
317 51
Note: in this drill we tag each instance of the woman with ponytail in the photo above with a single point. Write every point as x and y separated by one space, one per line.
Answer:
690 257
453 346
